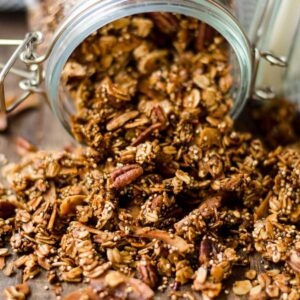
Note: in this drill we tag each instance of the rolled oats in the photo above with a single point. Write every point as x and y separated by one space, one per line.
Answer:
241 288
168 192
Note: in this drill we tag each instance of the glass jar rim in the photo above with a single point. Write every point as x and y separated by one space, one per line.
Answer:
88 17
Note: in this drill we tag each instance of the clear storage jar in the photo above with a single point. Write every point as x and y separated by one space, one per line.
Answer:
60 26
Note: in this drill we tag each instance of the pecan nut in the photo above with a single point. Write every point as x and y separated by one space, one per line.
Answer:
145 134
204 36
147 272
158 115
125 175
165 22
119 121
205 251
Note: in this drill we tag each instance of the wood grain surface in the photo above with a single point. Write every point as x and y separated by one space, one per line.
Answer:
40 127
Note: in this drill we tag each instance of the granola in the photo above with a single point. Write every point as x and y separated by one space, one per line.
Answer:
168 191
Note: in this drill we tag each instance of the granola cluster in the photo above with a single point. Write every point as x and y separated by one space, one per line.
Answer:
156 78
168 194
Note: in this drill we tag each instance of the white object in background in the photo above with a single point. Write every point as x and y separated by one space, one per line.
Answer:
11 5
279 38
292 75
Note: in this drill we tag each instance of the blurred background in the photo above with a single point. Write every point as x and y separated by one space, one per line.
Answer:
12 5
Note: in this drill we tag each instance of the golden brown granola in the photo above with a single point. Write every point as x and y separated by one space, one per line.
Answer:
169 193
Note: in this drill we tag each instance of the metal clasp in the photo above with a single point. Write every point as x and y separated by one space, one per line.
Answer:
265 11
32 77
265 93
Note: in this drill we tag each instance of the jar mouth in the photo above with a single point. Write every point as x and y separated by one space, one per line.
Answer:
92 15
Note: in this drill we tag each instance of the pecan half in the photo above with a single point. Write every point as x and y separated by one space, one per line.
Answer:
165 22
205 251
20 291
80 294
171 239
143 136
158 115
204 36
210 137
208 207
125 175
147 272
119 121
68 205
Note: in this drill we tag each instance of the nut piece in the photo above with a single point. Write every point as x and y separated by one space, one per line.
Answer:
250 274
205 251
125 175
158 115
210 137
241 288
119 121
68 205
192 100
142 26
166 22
171 239
204 36
201 80
145 134
200 278
272 291
80 294
294 261
18 292
149 62
209 206
147 272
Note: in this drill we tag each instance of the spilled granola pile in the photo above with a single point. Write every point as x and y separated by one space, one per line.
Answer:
168 194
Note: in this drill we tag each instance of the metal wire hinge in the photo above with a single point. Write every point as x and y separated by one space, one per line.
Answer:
259 31
265 93
32 77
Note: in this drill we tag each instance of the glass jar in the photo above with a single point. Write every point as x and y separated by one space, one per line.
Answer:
63 25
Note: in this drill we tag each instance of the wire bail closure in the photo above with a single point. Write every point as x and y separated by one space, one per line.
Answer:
32 78
264 93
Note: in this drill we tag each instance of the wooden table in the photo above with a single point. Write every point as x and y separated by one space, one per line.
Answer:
40 127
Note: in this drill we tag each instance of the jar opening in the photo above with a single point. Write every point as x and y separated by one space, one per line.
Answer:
73 36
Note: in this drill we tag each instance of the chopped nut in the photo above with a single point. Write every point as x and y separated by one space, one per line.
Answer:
69 204
272 291
18 292
125 175
121 120
250 274
241 288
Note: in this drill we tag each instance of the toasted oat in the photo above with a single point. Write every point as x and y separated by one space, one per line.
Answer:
241 288
169 192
